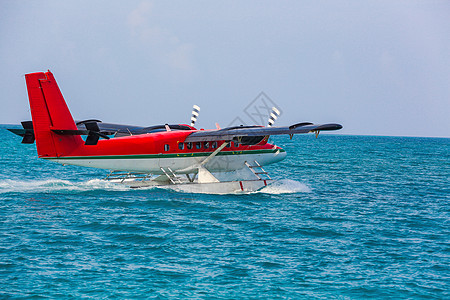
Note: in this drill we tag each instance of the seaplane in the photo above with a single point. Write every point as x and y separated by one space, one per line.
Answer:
174 155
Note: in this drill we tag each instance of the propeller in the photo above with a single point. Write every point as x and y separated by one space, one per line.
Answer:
94 133
274 114
195 112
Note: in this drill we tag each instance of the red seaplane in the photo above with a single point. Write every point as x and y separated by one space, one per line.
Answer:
164 155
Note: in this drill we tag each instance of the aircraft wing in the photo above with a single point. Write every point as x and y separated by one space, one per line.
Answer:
236 133
115 129
244 134
124 130
83 128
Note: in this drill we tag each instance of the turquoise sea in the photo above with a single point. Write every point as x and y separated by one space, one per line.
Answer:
351 217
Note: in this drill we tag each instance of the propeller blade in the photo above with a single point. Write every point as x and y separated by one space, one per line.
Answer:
274 114
195 113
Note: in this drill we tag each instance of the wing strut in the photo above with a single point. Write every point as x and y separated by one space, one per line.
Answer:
204 176
212 155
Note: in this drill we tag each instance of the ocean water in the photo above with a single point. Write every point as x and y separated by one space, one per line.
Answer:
350 217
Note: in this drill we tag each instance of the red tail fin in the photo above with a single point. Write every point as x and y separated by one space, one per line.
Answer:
49 111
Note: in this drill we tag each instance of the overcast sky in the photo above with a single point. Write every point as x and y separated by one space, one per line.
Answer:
377 67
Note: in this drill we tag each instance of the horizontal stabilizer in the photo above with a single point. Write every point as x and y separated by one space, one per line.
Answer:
70 132
92 131
27 132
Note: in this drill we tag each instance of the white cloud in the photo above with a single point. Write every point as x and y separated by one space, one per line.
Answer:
181 57
138 18
161 43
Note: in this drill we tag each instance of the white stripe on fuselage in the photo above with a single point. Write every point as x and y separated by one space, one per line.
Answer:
183 165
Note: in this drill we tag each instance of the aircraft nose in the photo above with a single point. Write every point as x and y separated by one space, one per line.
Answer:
279 154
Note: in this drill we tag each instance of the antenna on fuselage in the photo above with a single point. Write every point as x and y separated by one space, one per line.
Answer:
195 112
274 114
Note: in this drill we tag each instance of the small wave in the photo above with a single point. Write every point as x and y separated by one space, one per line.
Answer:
56 185
285 186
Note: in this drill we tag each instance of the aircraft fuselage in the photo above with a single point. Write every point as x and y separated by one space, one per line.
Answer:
151 152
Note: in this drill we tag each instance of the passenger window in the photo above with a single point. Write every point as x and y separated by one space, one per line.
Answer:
214 145
228 144
198 145
181 146
236 144
189 145
206 145
166 147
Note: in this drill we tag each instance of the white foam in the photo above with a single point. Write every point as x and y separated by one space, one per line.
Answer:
55 185
285 186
